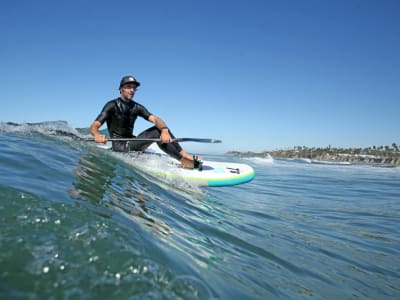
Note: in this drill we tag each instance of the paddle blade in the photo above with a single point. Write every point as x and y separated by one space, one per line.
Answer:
198 140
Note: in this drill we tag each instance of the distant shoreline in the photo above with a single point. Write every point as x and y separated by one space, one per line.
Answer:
373 155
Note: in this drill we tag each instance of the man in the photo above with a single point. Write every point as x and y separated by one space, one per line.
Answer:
121 114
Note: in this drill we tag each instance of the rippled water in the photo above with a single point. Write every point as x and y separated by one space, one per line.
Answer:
79 223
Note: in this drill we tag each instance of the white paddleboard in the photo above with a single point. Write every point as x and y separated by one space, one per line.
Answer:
214 174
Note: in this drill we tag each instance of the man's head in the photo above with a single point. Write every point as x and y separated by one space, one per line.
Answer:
128 86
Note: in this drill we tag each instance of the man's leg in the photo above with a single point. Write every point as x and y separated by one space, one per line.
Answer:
172 149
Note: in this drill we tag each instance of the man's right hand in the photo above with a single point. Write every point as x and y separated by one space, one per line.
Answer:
100 138
94 130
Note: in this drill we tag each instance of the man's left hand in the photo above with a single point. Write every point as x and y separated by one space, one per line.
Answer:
165 137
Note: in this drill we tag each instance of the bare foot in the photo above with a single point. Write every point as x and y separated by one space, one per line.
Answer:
188 156
187 163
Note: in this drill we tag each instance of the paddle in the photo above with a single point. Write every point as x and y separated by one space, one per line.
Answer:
178 140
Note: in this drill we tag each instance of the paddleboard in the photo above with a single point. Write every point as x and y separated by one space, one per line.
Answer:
213 174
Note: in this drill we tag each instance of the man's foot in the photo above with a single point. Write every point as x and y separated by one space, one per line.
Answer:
187 163
188 156
193 163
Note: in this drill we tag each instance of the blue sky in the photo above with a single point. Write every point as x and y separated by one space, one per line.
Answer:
259 75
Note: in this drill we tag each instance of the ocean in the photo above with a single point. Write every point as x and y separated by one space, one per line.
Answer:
80 223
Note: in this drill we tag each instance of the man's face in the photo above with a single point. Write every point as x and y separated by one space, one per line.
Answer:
128 91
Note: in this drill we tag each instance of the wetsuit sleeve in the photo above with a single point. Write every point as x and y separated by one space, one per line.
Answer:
143 112
106 112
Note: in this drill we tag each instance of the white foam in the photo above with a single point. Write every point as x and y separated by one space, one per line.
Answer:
153 163
49 128
267 160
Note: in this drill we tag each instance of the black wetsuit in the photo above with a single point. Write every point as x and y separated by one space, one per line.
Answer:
120 116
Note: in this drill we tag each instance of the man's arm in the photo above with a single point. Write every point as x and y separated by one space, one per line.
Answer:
165 136
94 130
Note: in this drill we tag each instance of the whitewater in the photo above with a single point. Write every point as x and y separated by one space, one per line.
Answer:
78 222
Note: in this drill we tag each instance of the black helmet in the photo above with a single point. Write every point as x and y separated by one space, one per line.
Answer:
128 79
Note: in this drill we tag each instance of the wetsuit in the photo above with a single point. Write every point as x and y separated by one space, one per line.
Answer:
121 116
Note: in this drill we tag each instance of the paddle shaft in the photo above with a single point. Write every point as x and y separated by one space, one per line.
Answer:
178 140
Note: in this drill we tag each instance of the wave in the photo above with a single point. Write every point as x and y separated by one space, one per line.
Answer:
267 160
68 205
62 131
47 128
325 162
